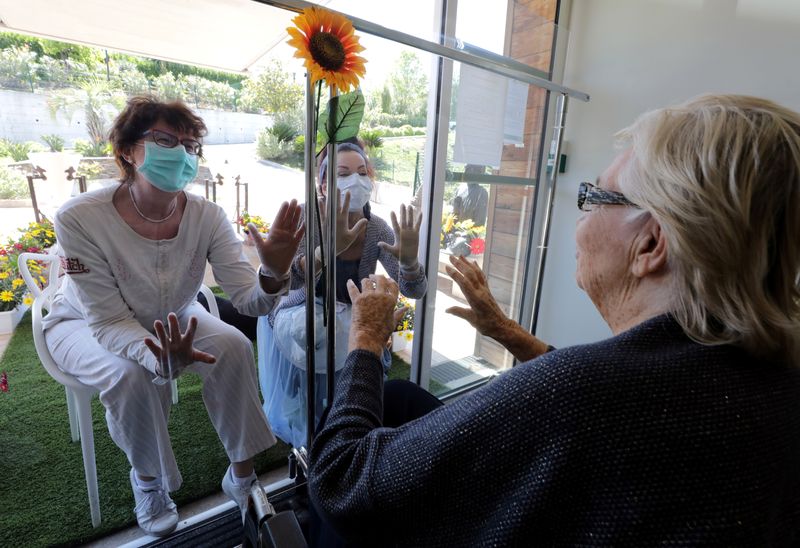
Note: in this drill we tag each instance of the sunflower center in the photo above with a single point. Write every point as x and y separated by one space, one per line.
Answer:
327 50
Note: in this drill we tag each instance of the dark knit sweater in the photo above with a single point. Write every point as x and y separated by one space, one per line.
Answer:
643 439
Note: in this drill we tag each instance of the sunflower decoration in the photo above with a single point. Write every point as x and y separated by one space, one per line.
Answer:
327 42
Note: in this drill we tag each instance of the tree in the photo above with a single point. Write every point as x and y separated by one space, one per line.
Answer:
98 102
19 67
386 99
408 84
272 92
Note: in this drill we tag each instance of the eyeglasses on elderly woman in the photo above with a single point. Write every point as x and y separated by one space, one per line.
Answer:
168 140
590 195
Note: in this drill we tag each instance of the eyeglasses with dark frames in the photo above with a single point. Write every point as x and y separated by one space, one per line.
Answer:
168 140
589 195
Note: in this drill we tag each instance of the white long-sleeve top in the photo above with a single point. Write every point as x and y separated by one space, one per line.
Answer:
121 282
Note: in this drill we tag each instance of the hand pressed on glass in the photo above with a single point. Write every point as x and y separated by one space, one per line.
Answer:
483 313
406 236
374 315
345 234
176 351
277 248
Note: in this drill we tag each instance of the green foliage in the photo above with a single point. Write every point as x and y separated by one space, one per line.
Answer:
99 103
13 184
18 151
373 139
91 170
166 87
396 160
409 89
402 131
270 147
51 48
272 92
284 131
19 68
88 149
386 99
299 146
153 68
55 142
348 111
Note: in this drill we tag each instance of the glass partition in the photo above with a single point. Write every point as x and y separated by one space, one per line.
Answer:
464 144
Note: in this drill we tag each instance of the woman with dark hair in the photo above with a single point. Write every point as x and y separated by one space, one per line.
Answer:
362 240
126 319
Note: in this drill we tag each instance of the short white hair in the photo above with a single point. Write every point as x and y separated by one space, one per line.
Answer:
721 175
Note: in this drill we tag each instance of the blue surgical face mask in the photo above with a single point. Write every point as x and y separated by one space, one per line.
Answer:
168 169
360 188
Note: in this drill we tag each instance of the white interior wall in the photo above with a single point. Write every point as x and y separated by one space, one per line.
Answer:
635 55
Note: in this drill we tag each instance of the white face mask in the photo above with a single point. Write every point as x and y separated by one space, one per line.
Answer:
360 188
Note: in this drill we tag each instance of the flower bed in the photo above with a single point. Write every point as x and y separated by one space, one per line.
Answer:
34 239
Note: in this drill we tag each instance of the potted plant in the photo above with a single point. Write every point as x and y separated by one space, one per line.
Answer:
462 238
245 218
55 163
404 330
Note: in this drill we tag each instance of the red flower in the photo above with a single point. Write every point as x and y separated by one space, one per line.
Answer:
3 252
3 382
18 246
477 246
33 249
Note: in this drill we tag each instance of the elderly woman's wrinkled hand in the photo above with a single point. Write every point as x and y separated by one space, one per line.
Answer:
406 236
374 315
484 313
176 350
278 248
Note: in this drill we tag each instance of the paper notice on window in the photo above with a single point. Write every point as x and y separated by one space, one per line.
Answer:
491 112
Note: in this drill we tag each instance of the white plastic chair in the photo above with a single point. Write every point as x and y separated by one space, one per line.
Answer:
79 396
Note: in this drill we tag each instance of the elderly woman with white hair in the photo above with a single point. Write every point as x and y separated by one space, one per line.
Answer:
682 428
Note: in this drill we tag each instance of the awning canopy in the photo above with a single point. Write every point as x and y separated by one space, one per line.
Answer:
229 35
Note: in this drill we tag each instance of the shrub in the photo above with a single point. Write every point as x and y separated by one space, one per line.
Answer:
90 170
92 150
283 131
270 147
299 145
13 184
372 138
55 142
18 151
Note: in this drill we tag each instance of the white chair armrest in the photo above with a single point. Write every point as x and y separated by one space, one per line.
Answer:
212 302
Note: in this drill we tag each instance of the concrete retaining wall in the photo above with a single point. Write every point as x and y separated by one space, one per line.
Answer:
25 117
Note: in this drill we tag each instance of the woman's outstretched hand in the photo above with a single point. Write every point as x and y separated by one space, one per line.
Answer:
276 251
406 236
174 350
345 234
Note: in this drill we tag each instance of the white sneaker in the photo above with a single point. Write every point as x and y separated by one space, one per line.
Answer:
156 513
238 494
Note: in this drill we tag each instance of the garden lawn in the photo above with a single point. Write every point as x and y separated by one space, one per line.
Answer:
43 497
395 161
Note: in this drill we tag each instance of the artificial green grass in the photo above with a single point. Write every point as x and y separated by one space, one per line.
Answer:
43 500
401 369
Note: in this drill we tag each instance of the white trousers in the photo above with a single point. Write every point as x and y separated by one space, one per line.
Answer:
137 410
